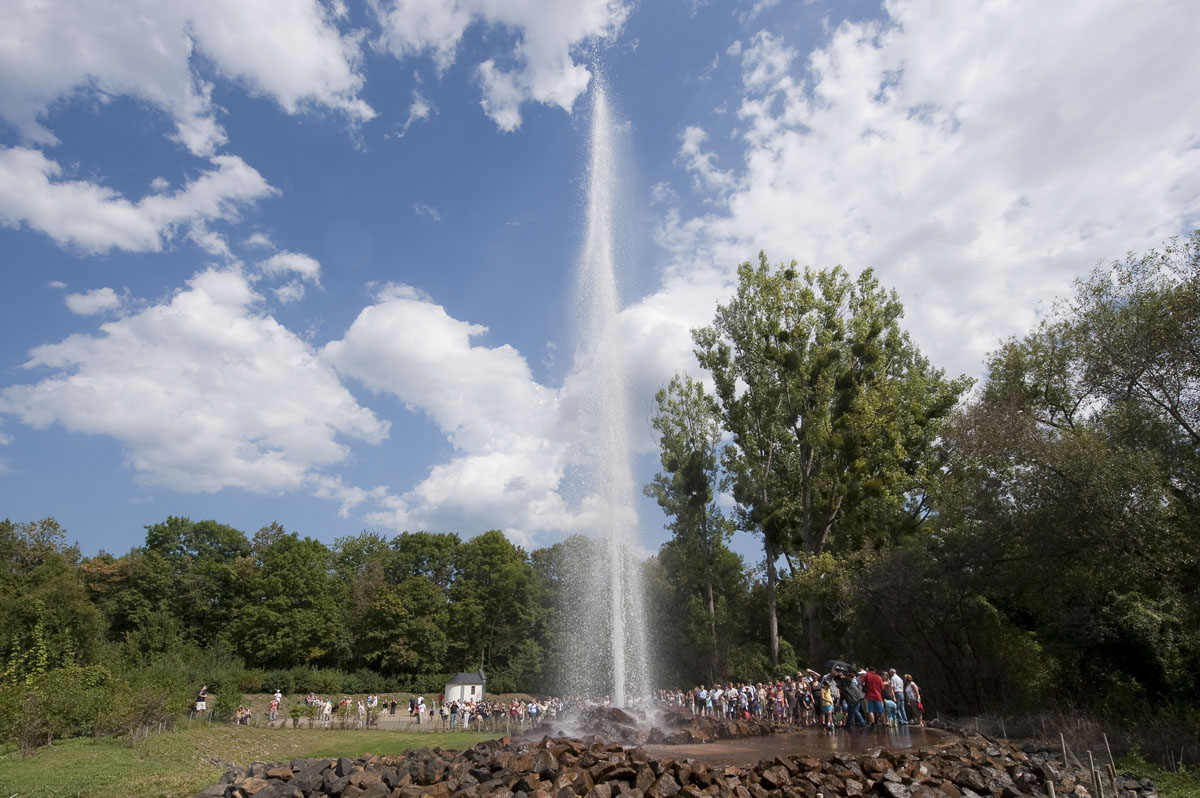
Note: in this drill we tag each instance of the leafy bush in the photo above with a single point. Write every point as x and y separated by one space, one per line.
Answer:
354 683
281 680
750 664
788 665
225 705
500 682
321 681
63 702
251 680
434 683
150 698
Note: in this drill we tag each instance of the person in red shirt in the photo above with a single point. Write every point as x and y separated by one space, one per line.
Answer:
873 690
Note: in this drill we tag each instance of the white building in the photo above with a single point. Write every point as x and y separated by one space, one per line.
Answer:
466 687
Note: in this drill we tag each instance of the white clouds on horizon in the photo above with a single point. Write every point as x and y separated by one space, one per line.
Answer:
509 453
203 391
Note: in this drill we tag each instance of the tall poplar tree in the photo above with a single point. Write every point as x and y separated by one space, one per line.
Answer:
829 403
689 422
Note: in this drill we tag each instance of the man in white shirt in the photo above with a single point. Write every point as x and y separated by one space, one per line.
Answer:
898 694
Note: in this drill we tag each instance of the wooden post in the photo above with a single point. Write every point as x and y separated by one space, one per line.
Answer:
1050 788
1063 740
1003 731
1108 748
1095 775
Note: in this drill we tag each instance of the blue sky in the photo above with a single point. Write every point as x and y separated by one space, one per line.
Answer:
313 262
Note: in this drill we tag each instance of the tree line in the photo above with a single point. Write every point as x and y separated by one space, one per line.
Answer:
1027 541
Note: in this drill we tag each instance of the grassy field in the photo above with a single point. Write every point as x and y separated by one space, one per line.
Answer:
180 763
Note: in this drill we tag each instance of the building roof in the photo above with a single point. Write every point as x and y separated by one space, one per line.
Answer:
469 678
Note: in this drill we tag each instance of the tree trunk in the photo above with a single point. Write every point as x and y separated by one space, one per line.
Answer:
813 613
708 584
712 627
773 619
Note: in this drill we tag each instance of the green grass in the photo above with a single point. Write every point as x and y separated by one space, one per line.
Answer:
181 763
1183 784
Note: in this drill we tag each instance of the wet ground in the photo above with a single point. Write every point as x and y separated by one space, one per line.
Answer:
812 742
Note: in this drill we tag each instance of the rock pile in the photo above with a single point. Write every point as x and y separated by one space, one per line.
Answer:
591 768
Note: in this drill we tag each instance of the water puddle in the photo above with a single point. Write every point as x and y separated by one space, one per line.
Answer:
809 742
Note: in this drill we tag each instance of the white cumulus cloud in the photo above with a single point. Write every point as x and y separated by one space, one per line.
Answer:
96 219
204 392
510 448
290 51
303 266
94 301
540 67
979 155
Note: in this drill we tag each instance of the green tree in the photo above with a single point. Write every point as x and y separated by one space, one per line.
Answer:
291 615
1074 479
829 404
138 595
397 613
560 572
689 424
210 565
493 600
47 618
426 554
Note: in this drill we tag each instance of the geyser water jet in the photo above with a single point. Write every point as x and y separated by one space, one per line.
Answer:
614 600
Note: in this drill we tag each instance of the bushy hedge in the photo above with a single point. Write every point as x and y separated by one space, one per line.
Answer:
137 700
75 701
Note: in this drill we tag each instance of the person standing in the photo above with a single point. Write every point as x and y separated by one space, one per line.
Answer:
827 705
898 694
852 692
873 690
912 698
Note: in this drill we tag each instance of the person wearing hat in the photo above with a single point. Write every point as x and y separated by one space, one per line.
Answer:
827 704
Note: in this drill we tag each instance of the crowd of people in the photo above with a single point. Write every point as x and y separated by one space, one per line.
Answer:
489 716
846 696
448 715
358 711
843 697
